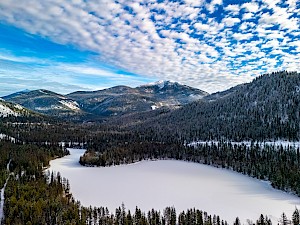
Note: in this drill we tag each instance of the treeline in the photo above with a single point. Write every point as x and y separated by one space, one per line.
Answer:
279 165
25 159
129 152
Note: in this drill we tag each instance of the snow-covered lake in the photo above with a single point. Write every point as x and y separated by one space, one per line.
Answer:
157 184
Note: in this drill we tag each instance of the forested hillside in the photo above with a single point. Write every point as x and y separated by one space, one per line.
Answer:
266 108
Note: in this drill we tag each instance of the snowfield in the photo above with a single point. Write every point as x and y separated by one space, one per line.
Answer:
70 104
157 184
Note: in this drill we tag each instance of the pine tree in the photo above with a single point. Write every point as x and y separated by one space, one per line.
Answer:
284 220
237 221
295 217
261 220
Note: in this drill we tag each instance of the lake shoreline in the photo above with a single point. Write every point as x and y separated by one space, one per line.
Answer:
90 183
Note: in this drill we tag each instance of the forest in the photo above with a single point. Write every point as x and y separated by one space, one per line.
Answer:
268 108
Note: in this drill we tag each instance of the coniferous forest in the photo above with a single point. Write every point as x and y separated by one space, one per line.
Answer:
265 109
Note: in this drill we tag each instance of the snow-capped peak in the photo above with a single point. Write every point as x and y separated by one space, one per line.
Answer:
161 84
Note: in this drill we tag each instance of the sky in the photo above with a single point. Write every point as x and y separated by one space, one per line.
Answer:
70 45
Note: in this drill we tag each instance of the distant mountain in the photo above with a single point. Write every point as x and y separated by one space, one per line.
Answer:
46 102
266 108
115 101
17 93
122 100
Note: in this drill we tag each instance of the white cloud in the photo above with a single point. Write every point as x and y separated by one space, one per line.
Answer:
235 9
20 59
170 46
240 36
252 7
211 7
248 16
231 21
202 27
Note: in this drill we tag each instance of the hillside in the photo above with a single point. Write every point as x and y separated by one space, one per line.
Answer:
266 108
8 109
46 102
121 100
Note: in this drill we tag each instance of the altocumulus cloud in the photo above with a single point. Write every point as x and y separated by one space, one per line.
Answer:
208 44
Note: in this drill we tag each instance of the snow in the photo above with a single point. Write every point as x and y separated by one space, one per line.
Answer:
19 107
43 92
161 84
2 197
70 104
276 143
157 184
195 97
45 108
6 111
4 136
153 107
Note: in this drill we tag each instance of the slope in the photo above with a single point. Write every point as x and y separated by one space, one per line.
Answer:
121 100
266 108
46 102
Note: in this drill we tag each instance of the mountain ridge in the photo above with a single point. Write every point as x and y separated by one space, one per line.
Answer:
267 108
113 101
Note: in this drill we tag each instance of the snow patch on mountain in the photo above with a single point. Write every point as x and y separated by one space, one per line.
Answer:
70 104
5 111
43 92
153 107
19 107
161 84
195 97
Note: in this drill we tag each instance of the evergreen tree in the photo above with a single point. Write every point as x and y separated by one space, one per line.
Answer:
295 217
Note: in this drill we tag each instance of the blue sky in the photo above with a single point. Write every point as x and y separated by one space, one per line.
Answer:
73 45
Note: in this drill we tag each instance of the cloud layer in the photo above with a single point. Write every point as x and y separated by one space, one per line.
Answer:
212 45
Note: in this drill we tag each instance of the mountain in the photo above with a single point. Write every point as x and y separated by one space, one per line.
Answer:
121 100
115 101
268 108
45 102
172 93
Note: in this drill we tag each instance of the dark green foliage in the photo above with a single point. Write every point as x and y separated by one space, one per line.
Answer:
267 108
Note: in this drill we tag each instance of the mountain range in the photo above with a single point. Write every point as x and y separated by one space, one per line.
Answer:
115 101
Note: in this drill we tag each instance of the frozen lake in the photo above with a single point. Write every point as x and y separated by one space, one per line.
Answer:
157 184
